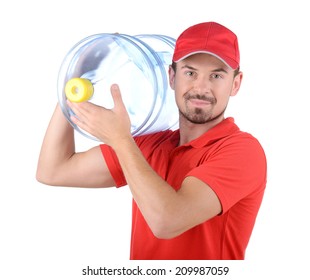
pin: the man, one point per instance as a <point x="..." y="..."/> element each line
<point x="196" y="190"/>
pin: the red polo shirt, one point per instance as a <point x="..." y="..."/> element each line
<point x="231" y="162"/>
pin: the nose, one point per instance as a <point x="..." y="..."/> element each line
<point x="202" y="85"/>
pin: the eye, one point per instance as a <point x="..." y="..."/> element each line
<point x="189" y="73"/>
<point x="216" y="76"/>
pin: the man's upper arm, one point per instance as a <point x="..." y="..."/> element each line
<point x="85" y="169"/>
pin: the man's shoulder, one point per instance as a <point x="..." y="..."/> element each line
<point x="156" y="137"/>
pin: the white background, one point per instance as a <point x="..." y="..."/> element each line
<point x="53" y="233"/>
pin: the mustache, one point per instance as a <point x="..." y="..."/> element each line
<point x="210" y="99"/>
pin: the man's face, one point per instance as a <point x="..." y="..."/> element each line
<point x="203" y="85"/>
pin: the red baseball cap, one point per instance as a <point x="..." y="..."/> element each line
<point x="211" y="38"/>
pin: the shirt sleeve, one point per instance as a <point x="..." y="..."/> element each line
<point x="146" y="143"/>
<point x="235" y="171"/>
<point x="113" y="165"/>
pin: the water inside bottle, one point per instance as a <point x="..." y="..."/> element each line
<point x="138" y="64"/>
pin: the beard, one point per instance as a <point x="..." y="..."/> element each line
<point x="198" y="115"/>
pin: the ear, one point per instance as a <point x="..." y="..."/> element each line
<point x="236" y="84"/>
<point x="171" y="77"/>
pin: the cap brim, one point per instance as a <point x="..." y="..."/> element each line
<point x="211" y="53"/>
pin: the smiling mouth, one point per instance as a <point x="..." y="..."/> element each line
<point x="198" y="102"/>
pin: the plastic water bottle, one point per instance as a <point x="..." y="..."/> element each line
<point x="138" y="64"/>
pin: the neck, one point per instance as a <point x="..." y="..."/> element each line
<point x="190" y="131"/>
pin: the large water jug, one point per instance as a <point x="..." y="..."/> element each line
<point x="139" y="64"/>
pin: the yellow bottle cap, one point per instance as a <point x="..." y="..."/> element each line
<point x="79" y="89"/>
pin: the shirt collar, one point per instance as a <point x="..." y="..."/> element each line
<point x="221" y="130"/>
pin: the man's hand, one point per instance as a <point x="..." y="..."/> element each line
<point x="108" y="125"/>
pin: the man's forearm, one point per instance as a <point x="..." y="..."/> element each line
<point x="58" y="145"/>
<point x="154" y="197"/>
